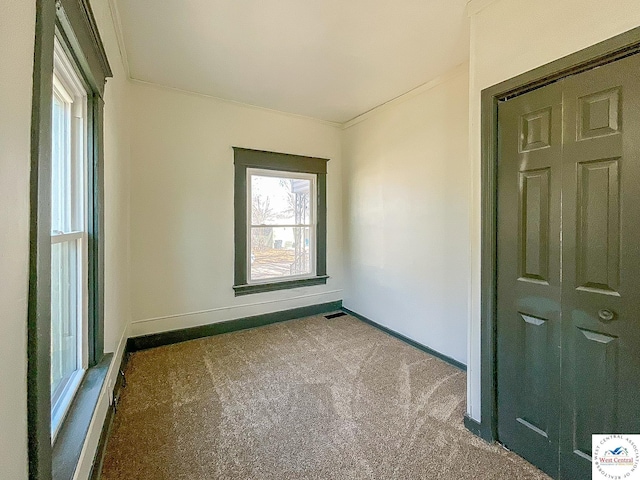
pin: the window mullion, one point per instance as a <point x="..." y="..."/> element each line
<point x="66" y="237"/>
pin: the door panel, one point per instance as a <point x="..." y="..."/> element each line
<point x="596" y="370"/>
<point x="601" y="259"/>
<point x="528" y="323"/>
<point x="598" y="226"/>
<point x="568" y="266"/>
<point x="534" y="225"/>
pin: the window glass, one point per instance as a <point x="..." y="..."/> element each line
<point x="282" y="229"/>
<point x="68" y="236"/>
<point x="64" y="315"/>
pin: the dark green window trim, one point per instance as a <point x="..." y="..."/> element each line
<point x="73" y="22"/>
<point x="246" y="158"/>
<point x="68" y="445"/>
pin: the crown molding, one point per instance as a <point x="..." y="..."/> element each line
<point x="234" y="102"/>
<point x="117" y="26"/>
<point x="454" y="72"/>
<point x="476" y="6"/>
<point x="473" y="6"/>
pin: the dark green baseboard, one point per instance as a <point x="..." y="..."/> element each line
<point x="478" y="428"/>
<point x="176" y="336"/>
<point x="144" y="342"/>
<point x="413" y="343"/>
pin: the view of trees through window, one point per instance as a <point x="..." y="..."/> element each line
<point x="282" y="230"/>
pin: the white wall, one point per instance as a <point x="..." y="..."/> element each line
<point x="17" y="24"/>
<point x="406" y="215"/>
<point x="510" y="37"/>
<point x="116" y="185"/>
<point x="182" y="248"/>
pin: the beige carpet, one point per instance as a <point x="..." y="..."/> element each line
<point x="310" y="398"/>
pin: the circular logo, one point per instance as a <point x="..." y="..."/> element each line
<point x="617" y="456"/>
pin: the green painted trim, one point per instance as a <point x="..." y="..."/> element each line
<point x="144" y="342"/>
<point x="70" y="440"/>
<point x="601" y="53"/>
<point x="476" y="428"/>
<point x="413" y="343"/>
<point x="615" y="48"/>
<point x="278" y="161"/>
<point x="101" y="450"/>
<point x="245" y="158"/>
<point x="488" y="283"/>
<point x="321" y="227"/>
<point x="240" y="224"/>
<point x="272" y="287"/>
<point x="98" y="460"/>
<point x="39" y="300"/>
<point x="74" y="23"/>
<point x="76" y="20"/>
<point x="96" y="229"/>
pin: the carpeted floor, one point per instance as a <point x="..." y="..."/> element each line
<point x="304" y="399"/>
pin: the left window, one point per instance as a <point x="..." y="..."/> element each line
<point x="66" y="363"/>
<point x="69" y="235"/>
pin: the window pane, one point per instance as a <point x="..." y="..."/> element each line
<point x="280" y="201"/>
<point x="60" y="167"/>
<point x="280" y="252"/>
<point x="64" y="311"/>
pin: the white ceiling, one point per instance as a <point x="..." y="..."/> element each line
<point x="328" y="59"/>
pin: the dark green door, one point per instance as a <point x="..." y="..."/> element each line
<point x="529" y="283"/>
<point x="601" y="252"/>
<point x="568" y="320"/>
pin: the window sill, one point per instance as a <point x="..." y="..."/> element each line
<point x="75" y="426"/>
<point x="270" y="287"/>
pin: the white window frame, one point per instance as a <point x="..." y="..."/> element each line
<point x="313" y="225"/>
<point x="68" y="86"/>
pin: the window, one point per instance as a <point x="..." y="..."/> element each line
<point x="282" y="232"/>
<point x="280" y="221"/>
<point x="66" y="364"/>
<point x="69" y="236"/>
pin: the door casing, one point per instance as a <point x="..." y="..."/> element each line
<point x="602" y="53"/>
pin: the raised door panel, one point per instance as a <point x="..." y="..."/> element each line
<point x="534" y="225"/>
<point x="598" y="226"/>
<point x="596" y="371"/>
<point x="535" y="401"/>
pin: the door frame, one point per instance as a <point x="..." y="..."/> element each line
<point x="616" y="48"/>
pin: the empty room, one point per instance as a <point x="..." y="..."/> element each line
<point x="320" y="240"/>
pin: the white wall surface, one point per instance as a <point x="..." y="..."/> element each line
<point x="182" y="248"/>
<point x="406" y="216"/>
<point x="510" y="37"/>
<point x="17" y="24"/>
<point x="116" y="185"/>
